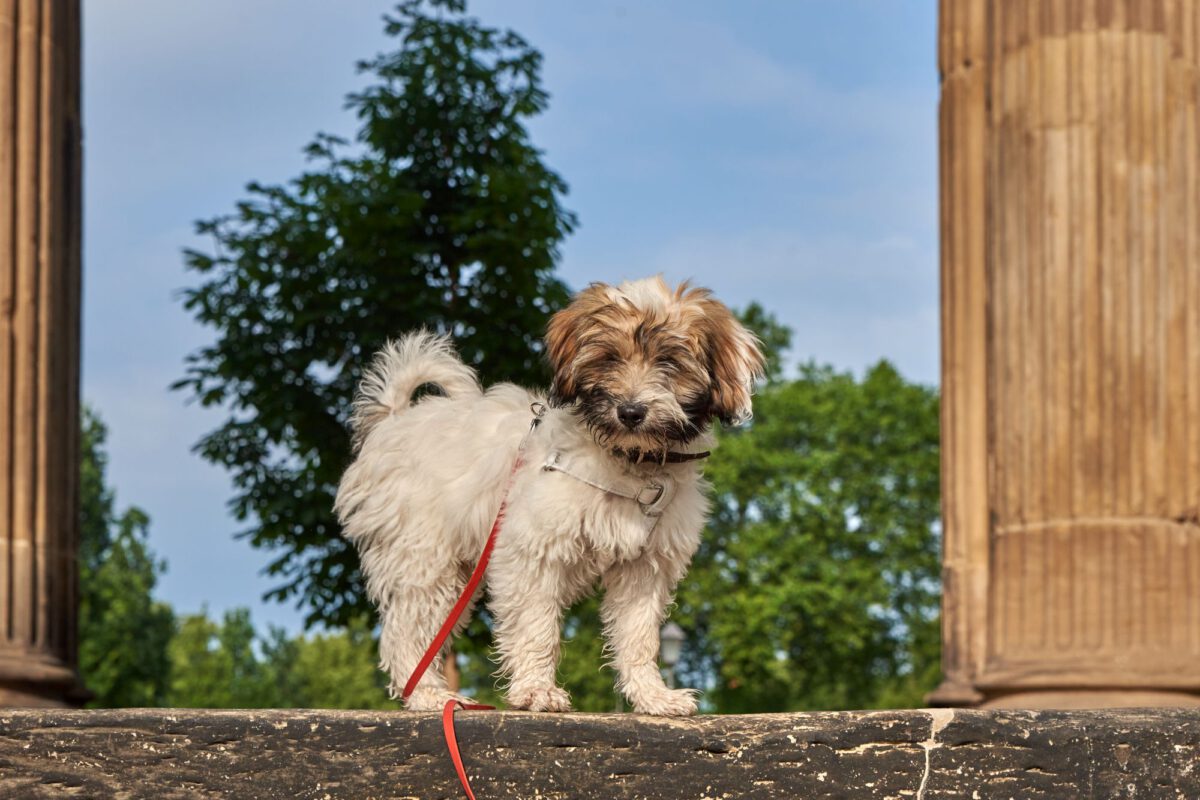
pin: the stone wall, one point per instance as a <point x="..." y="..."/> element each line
<point x="923" y="755"/>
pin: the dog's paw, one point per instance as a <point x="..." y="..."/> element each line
<point x="551" y="698"/>
<point x="667" y="703"/>
<point x="432" y="699"/>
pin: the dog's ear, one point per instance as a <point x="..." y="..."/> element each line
<point x="564" y="336"/>
<point x="735" y="357"/>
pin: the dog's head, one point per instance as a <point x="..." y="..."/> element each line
<point x="648" y="366"/>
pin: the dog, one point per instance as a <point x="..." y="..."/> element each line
<point x="609" y="487"/>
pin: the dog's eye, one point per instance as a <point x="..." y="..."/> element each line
<point x="668" y="362"/>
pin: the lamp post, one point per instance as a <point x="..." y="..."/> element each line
<point x="670" y="645"/>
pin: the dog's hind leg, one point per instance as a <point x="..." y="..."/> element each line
<point x="411" y="616"/>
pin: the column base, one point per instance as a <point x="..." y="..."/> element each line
<point x="954" y="693"/>
<point x="33" y="695"/>
<point x="38" y="681"/>
<point x="1092" y="698"/>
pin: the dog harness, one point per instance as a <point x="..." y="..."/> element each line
<point x="652" y="492"/>
<point x="652" y="495"/>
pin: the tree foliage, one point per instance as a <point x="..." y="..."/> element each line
<point x="441" y="215"/>
<point x="213" y="665"/>
<point x="816" y="585"/>
<point x="335" y="669"/>
<point x="123" y="631"/>
<point x="226" y="664"/>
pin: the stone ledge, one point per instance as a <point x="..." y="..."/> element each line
<point x="942" y="753"/>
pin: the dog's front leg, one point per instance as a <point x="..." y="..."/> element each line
<point x="527" y="606"/>
<point x="635" y="602"/>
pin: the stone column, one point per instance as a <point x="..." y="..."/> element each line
<point x="40" y="149"/>
<point x="1070" y="194"/>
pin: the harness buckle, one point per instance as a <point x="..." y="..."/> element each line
<point x="538" y="410"/>
<point x="649" y="495"/>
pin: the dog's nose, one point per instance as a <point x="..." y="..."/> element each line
<point x="631" y="414"/>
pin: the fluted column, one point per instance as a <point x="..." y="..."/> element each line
<point x="963" y="161"/>
<point x="1070" y="194"/>
<point x="39" y="349"/>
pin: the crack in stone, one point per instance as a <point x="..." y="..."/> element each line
<point x="939" y="718"/>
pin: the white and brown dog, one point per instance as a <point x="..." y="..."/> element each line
<point x="610" y="486"/>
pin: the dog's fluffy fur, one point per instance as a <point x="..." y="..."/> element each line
<point x="428" y="479"/>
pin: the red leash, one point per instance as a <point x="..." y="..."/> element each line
<point x="464" y="600"/>
<point x="452" y="740"/>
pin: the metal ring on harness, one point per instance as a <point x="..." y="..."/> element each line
<point x="643" y="498"/>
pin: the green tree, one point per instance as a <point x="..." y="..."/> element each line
<point x="775" y="337"/>
<point x="816" y="585"/>
<point x="442" y="215"/>
<point x="214" y="665"/>
<point x="123" y="631"/>
<point x="226" y="664"/>
<point x="337" y="669"/>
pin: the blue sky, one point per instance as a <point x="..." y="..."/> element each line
<point x="780" y="151"/>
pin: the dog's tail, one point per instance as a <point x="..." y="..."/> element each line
<point x="400" y="368"/>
